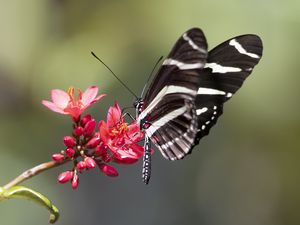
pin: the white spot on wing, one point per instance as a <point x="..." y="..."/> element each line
<point x="192" y="43"/>
<point x="200" y="111"/>
<point x="165" y="91"/>
<point x="229" y="95"/>
<point x="216" y="68"/>
<point x="210" y="91"/>
<point x="163" y="120"/>
<point x="183" y="66"/>
<point x="241" y="50"/>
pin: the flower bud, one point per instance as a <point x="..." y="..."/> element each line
<point x="85" y="119"/>
<point x="101" y="149"/>
<point x="75" y="181"/>
<point x="70" y="152"/>
<point x="90" y="162"/>
<point x="109" y="170"/>
<point x="81" y="166"/>
<point x="69" y="141"/>
<point x="65" y="176"/>
<point x="78" y="131"/>
<point x="89" y="128"/>
<point x="93" y="142"/>
<point x="58" y="157"/>
<point x="106" y="157"/>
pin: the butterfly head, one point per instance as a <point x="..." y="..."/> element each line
<point x="139" y="105"/>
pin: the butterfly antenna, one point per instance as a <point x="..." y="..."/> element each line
<point x="114" y="75"/>
<point x="150" y="75"/>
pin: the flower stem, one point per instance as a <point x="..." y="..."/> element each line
<point x="33" y="172"/>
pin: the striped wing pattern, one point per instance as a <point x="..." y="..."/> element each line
<point x="169" y="104"/>
<point x="183" y="64"/>
<point x="187" y="94"/>
<point x="174" y="132"/>
<point x="228" y="65"/>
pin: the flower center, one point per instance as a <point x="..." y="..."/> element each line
<point x="74" y="103"/>
<point x="120" y="128"/>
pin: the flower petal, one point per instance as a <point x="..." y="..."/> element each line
<point x="53" y="107"/>
<point x="137" y="149"/>
<point x="128" y="154"/>
<point x="134" y="133"/>
<point x="97" y="98"/>
<point x="125" y="160"/>
<point x="104" y="132"/>
<point x="114" y="115"/>
<point x="74" y="112"/>
<point x="60" y="98"/>
<point x="89" y="95"/>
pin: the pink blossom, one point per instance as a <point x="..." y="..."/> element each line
<point x="66" y="103"/>
<point x="120" y="137"/>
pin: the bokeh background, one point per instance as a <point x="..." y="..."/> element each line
<point x="245" y="172"/>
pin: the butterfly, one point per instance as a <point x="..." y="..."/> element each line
<point x="186" y="97"/>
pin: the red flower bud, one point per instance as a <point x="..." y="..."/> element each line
<point x="81" y="166"/>
<point x="93" y="142"/>
<point x="89" y="128"/>
<point x="58" y="157"/>
<point x="90" y="162"/>
<point x="106" y="157"/>
<point x="75" y="118"/>
<point x="85" y="119"/>
<point x="109" y="170"/>
<point x="101" y="149"/>
<point x="69" y="141"/>
<point x="65" y="176"/>
<point x="78" y="131"/>
<point x="70" y="152"/>
<point x="75" y="181"/>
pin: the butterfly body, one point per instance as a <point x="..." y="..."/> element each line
<point x="186" y="96"/>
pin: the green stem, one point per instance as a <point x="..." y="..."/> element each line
<point x="29" y="194"/>
<point x="33" y="172"/>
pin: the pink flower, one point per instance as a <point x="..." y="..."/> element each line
<point x="120" y="137"/>
<point x="66" y="103"/>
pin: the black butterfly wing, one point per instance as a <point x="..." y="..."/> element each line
<point x="227" y="67"/>
<point x="183" y="64"/>
<point x="169" y="104"/>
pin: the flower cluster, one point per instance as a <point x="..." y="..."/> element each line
<point x="92" y="146"/>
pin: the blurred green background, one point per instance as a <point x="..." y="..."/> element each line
<point x="245" y="172"/>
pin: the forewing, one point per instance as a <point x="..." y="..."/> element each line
<point x="170" y="100"/>
<point x="183" y="64"/>
<point x="228" y="65"/>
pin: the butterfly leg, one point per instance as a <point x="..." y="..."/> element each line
<point x="146" y="160"/>
<point x="129" y="115"/>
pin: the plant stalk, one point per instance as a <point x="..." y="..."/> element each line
<point x="33" y="172"/>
